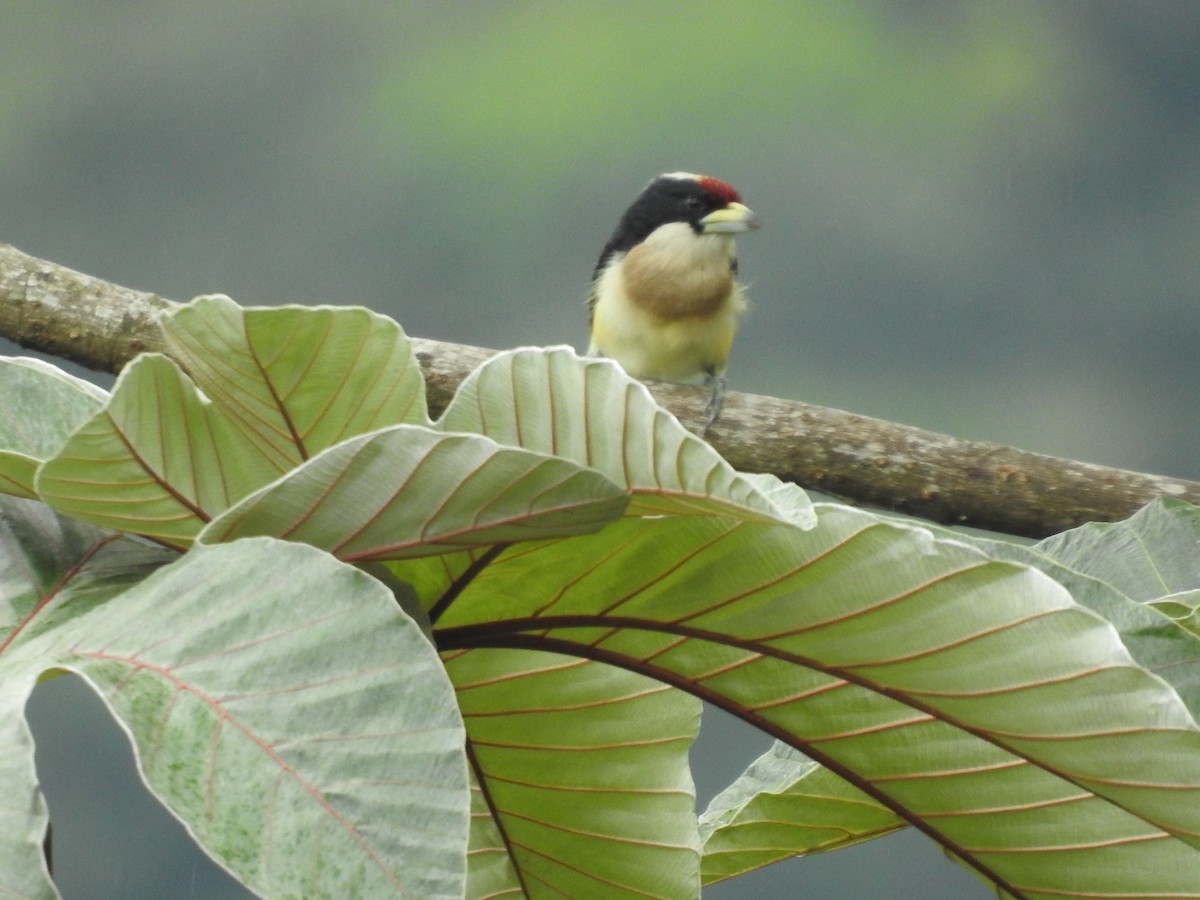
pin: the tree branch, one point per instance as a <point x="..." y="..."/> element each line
<point x="102" y="326"/>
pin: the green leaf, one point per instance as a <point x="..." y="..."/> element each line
<point x="785" y="805"/>
<point x="295" y="380"/>
<point x="790" y="502"/>
<point x="1183" y="609"/>
<point x="409" y="491"/>
<point x="971" y="697"/>
<point x="42" y="406"/>
<point x="591" y="412"/>
<point x="163" y="458"/>
<point x="270" y="693"/>
<point x="1123" y="570"/>
<point x="49" y="566"/>
<point x="23" y="871"/>
<point x="582" y="782"/>
<point x="158" y="459"/>
<point x="1146" y="557"/>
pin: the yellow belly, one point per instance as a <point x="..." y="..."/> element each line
<point x="678" y="349"/>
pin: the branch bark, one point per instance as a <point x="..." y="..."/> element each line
<point x="944" y="479"/>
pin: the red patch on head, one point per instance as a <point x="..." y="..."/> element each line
<point x="719" y="189"/>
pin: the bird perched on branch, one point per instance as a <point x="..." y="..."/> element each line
<point x="665" y="300"/>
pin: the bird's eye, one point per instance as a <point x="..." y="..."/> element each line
<point x="693" y="202"/>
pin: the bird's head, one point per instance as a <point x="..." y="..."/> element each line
<point x="707" y="205"/>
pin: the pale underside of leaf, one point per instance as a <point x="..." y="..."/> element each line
<point x="51" y="569"/>
<point x="268" y="692"/>
<point x="159" y="459"/>
<point x="1146" y="557"/>
<point x="409" y="491"/>
<point x="23" y="815"/>
<point x="42" y="405"/>
<point x="1183" y="608"/>
<point x="295" y="380"/>
<point x="591" y="412"/>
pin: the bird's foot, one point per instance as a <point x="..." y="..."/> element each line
<point x="715" y="401"/>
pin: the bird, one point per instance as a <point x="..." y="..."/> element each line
<point x="664" y="300"/>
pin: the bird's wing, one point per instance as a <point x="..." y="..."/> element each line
<point x="606" y="257"/>
<point x="591" y="304"/>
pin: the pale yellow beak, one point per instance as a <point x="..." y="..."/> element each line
<point x="732" y="218"/>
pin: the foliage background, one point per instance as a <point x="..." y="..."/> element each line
<point x="982" y="219"/>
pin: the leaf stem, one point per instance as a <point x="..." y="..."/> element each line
<point x="461" y="583"/>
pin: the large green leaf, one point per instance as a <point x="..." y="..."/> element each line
<point x="1107" y="567"/>
<point x="295" y="380"/>
<point x="42" y="406"/>
<point x="1126" y="571"/>
<point x="280" y="702"/>
<point x="581" y="775"/>
<point x="590" y="411"/>
<point x="784" y="805"/>
<point x="50" y="567"/>
<point x="917" y="669"/>
<point x="409" y="491"/>
<point x="158" y="459"/>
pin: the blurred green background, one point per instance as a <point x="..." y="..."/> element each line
<point x="982" y="218"/>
